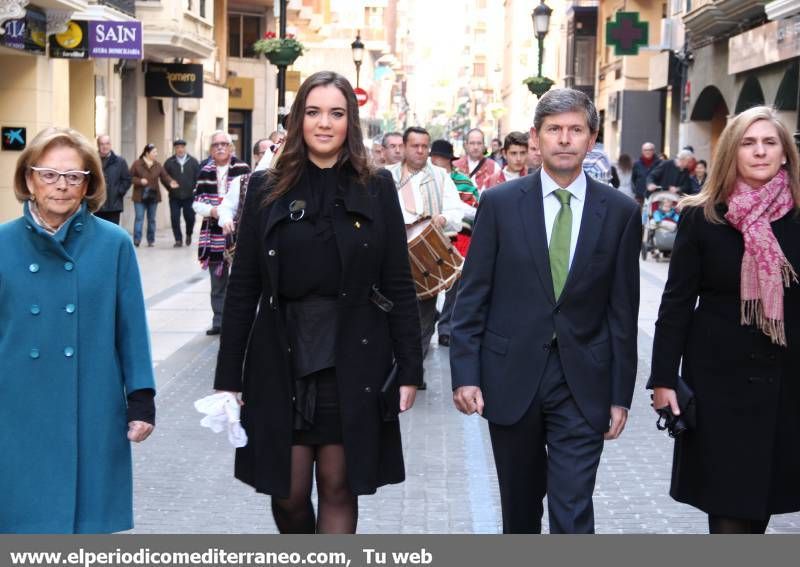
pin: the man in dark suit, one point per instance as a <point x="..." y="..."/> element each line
<point x="544" y="332"/>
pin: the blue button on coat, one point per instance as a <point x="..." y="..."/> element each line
<point x="65" y="460"/>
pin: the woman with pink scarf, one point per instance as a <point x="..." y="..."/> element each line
<point x="737" y="250"/>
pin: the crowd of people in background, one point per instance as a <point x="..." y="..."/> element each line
<point x="320" y="345"/>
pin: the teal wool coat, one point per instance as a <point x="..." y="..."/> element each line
<point x="73" y="344"/>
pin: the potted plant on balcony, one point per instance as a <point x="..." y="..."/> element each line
<point x="279" y="51"/>
<point x="538" y="85"/>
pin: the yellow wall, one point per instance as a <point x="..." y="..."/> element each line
<point x="81" y="96"/>
<point x="37" y="92"/>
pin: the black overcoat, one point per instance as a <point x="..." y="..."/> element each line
<point x="254" y="356"/>
<point x="743" y="460"/>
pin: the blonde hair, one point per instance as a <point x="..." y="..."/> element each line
<point x="722" y="176"/>
<point x="50" y="138"/>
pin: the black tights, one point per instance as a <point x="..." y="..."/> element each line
<point x="337" y="507"/>
<point x="725" y="525"/>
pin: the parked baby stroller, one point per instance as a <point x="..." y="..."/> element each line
<point x="658" y="238"/>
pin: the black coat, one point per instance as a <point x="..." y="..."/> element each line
<point x="666" y="174"/>
<point x="254" y="354"/>
<point x="118" y="181"/>
<point x="743" y="460"/>
<point x="185" y="175"/>
<point x="639" y="176"/>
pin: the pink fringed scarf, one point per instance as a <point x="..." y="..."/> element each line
<point x="765" y="269"/>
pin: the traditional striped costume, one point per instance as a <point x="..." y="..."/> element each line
<point x="212" y="243"/>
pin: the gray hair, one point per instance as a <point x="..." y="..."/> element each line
<point x="559" y="101"/>
<point x="216" y="133"/>
<point x="684" y="154"/>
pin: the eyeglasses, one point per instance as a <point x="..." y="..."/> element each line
<point x="51" y="176"/>
<point x="220" y="145"/>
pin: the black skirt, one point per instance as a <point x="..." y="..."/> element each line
<point x="327" y="426"/>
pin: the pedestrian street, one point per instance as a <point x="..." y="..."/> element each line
<point x="183" y="474"/>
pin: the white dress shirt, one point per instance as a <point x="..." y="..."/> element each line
<point x="452" y="205"/>
<point x="552" y="205"/>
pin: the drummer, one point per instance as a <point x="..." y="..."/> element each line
<point x="426" y="192"/>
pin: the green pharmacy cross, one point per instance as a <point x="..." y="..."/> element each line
<point x="627" y="34"/>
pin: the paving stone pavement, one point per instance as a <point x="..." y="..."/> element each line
<point x="183" y="480"/>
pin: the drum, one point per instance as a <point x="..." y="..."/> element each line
<point x="435" y="262"/>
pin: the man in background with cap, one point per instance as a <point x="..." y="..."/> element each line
<point x="184" y="169"/>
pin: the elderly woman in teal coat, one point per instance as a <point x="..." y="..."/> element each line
<point x="76" y="377"/>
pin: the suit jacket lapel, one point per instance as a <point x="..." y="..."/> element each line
<point x="594" y="211"/>
<point x="531" y="208"/>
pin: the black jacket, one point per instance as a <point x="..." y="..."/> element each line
<point x="639" y="176"/>
<point x="118" y="181"/>
<point x="743" y="459"/>
<point x="666" y="174"/>
<point x="254" y="356"/>
<point x="185" y="175"/>
<point x="506" y="314"/>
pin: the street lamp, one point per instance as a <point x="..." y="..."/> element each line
<point x="541" y="23"/>
<point x="358" y="55"/>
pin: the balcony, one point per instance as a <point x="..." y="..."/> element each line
<point x="780" y="9"/>
<point x="172" y="30"/>
<point x="715" y="18"/>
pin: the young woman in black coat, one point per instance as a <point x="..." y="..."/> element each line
<point x="738" y="251"/>
<point x="319" y="303"/>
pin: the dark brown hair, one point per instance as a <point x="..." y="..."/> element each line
<point x="515" y="139"/>
<point x="291" y="163"/>
<point x="625" y="163"/>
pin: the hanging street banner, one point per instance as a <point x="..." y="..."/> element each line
<point x="115" y="40"/>
<point x="26" y="34"/>
<point x="73" y="43"/>
<point x="627" y="34"/>
<point x="173" y="80"/>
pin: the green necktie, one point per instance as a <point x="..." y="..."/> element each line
<point x="559" y="243"/>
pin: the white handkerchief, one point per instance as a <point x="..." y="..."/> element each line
<point x="222" y="412"/>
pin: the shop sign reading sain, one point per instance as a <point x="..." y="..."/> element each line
<point x="173" y="80"/>
<point x="98" y="40"/>
<point x="117" y="40"/>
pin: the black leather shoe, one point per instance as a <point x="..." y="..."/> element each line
<point x="188" y="240"/>
<point x="213" y="331"/>
<point x="177" y="244"/>
<point x="136" y="243"/>
<point x="424" y="386"/>
<point x="444" y="340"/>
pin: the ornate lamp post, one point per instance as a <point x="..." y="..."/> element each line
<point x="539" y="85"/>
<point x="358" y="55"/>
<point x="541" y="25"/>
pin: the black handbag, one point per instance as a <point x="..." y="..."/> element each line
<point x="676" y="425"/>
<point x="389" y="396"/>
<point x="148" y="195"/>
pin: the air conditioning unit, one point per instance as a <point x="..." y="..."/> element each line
<point x="668" y="33"/>
<point x="614" y="101"/>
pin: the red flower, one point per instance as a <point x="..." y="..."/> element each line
<point x="289" y="36"/>
<point x="269" y="35"/>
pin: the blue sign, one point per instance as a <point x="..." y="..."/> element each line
<point x="26" y="34"/>
<point x="13" y="138"/>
